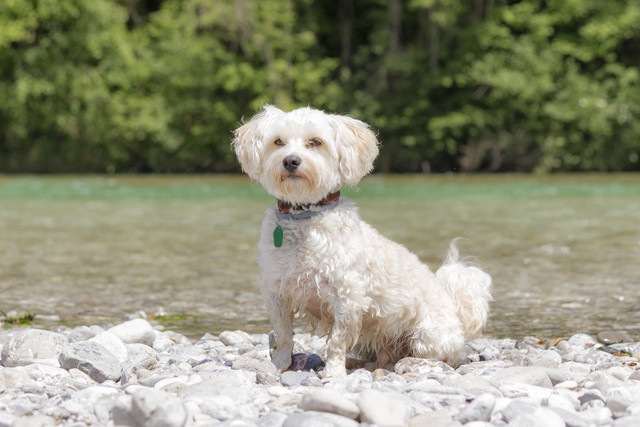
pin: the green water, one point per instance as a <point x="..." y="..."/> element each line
<point x="563" y="250"/>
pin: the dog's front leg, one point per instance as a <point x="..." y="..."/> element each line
<point x="344" y="335"/>
<point x="282" y="323"/>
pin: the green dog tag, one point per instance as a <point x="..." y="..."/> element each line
<point x="277" y="236"/>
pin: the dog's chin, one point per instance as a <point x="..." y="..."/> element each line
<point x="295" y="188"/>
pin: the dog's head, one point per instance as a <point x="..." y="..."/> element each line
<point x="303" y="155"/>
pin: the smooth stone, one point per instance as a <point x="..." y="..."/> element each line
<point x="92" y="359"/>
<point x="532" y="375"/>
<point x="439" y="418"/>
<point x="480" y="409"/>
<point x="33" y="346"/>
<point x="629" y="421"/>
<point x="112" y="343"/>
<point x="255" y="365"/>
<point x="135" y="331"/>
<point x="318" y="419"/>
<point x="546" y="359"/>
<point x="378" y="408"/>
<point x="36" y="420"/>
<point x="614" y="337"/>
<point x="294" y="378"/>
<point x="516" y="408"/>
<point x="582" y="340"/>
<point x="541" y="417"/>
<point x="415" y="365"/>
<point x="323" y="400"/>
<point x="154" y="408"/>
<point x="232" y="338"/>
<point x="570" y="418"/>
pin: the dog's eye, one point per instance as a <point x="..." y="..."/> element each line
<point x="314" y="142"/>
<point x="278" y="141"/>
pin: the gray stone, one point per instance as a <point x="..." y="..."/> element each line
<point x="33" y="346"/>
<point x="480" y="409"/>
<point x="92" y="359"/>
<point x="318" y="419"/>
<point x="325" y="400"/>
<point x="377" y="408"/>
<point x="135" y="331"/>
<point x="154" y="408"/>
<point x="614" y="337"/>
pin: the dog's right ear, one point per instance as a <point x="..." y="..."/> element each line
<point x="248" y="140"/>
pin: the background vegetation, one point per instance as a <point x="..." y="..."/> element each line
<point x="462" y="85"/>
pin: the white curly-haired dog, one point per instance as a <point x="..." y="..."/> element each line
<point x="319" y="259"/>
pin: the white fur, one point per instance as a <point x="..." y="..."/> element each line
<point x="372" y="294"/>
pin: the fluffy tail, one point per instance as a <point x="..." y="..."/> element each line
<point x="469" y="288"/>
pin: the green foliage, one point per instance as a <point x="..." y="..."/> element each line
<point x="158" y="85"/>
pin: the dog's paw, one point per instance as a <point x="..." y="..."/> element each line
<point x="282" y="359"/>
<point x="333" y="370"/>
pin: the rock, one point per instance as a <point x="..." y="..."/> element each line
<point x="438" y="418"/>
<point x="153" y="408"/>
<point x="254" y="365"/>
<point x="377" y="408"/>
<point x="323" y="400"/>
<point x="33" y="346"/>
<point x="294" y="378"/>
<point x="306" y="362"/>
<point x="135" y="331"/>
<point x="582" y="340"/>
<point x="93" y="359"/>
<point x="480" y="409"/>
<point x="614" y="337"/>
<point x="113" y="344"/>
<point x="318" y="419"/>
<point x="234" y="337"/>
<point x="419" y="366"/>
<point x="525" y="375"/>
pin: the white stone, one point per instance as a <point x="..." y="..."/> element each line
<point x="154" y="408"/>
<point x="135" y="331"/>
<point x="33" y="346"/>
<point x="324" y="400"/>
<point x="480" y="409"/>
<point x="112" y="343"/>
<point x="532" y="375"/>
<point x="377" y="408"/>
<point x="234" y="337"/>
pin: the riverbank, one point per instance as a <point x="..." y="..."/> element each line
<point x="135" y="375"/>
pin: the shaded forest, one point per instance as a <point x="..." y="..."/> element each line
<point x="449" y="85"/>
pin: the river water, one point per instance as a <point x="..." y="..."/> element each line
<point x="564" y="251"/>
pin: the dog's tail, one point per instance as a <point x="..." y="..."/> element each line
<point x="469" y="288"/>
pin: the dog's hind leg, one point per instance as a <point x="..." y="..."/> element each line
<point x="429" y="342"/>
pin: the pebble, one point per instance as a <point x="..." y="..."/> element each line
<point x="132" y="374"/>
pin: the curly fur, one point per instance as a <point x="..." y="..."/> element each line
<point x="372" y="294"/>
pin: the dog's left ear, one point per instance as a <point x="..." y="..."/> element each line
<point x="357" y="148"/>
<point x="248" y="140"/>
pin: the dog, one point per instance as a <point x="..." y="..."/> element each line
<point x="319" y="260"/>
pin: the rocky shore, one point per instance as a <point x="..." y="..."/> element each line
<point x="133" y="374"/>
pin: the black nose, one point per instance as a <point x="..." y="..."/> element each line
<point x="291" y="162"/>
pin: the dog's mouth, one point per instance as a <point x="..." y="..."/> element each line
<point x="291" y="175"/>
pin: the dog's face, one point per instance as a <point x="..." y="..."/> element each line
<point x="301" y="156"/>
